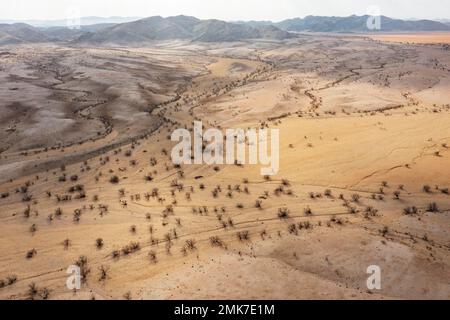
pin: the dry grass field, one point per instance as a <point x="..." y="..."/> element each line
<point x="87" y="179"/>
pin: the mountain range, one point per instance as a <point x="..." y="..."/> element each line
<point x="192" y="29"/>
<point x="358" y="24"/>
<point x="181" y="27"/>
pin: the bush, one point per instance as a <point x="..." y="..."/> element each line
<point x="31" y="253"/>
<point x="115" y="254"/>
<point x="293" y="229"/>
<point x="8" y="282"/>
<point x="243" y="235"/>
<point x="82" y="263"/>
<point x="66" y="244"/>
<point x="127" y="296"/>
<point x="114" y="180"/>
<point x="99" y="243"/>
<point x="283" y="213"/>
<point x="103" y="273"/>
<point x="433" y="207"/>
<point x="308" y="211"/>
<point x="215" y="241"/>
<point x="131" y="248"/>
<point x="190" y="244"/>
<point x="356" y="197"/>
<point x="152" y="256"/>
<point x="33" y="228"/>
<point x="410" y="211"/>
<point x="32" y="291"/>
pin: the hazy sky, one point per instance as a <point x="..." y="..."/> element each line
<point x="226" y="10"/>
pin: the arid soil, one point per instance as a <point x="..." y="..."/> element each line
<point x="418" y="38"/>
<point x="87" y="177"/>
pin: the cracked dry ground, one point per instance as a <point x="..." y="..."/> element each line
<point x="364" y="173"/>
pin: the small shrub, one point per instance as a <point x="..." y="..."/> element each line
<point x="384" y="231"/>
<point x="190" y="244"/>
<point x="308" y="211"/>
<point x="356" y="197"/>
<point x="283" y="213"/>
<point x="131" y="248"/>
<point x="152" y="256"/>
<point x="31" y="254"/>
<point x="410" y="211"/>
<point x="33" y="228"/>
<point x="215" y="241"/>
<point x="66" y="244"/>
<point x="243" y="235"/>
<point x="433" y="207"/>
<point x="99" y="243"/>
<point x="103" y="273"/>
<point x="32" y="291"/>
<point x="114" y="180"/>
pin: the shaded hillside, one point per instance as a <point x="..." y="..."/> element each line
<point x="183" y="28"/>
<point x="21" y="33"/>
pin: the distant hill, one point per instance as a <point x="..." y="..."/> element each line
<point x="18" y="33"/>
<point x="193" y="29"/>
<point x="358" y="24"/>
<point x="84" y="21"/>
<point x="181" y="27"/>
<point x="66" y="34"/>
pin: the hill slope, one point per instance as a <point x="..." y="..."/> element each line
<point x="21" y="33"/>
<point x="181" y="27"/>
